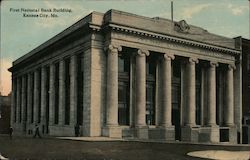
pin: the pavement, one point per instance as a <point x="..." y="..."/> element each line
<point x="103" y="148"/>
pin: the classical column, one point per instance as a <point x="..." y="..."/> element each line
<point x="43" y="95"/>
<point x="36" y="96"/>
<point x="112" y="85"/>
<point x="190" y="121"/>
<point x="23" y="119"/>
<point x="18" y="105"/>
<point x="52" y="94"/>
<point x="61" y="92"/>
<point x="13" y="101"/>
<point x="141" y="88"/>
<point x="212" y="94"/>
<point x="229" y="116"/>
<point x="167" y="91"/>
<point x="29" y="98"/>
<point x="73" y="90"/>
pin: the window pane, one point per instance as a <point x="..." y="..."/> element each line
<point x="123" y="103"/>
<point x="120" y="64"/>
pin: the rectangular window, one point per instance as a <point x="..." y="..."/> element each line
<point x="20" y="99"/>
<point x="150" y="88"/>
<point x="67" y="92"/>
<point x="32" y="97"/>
<point x="47" y="97"/>
<point x="198" y="94"/>
<point x="15" y="89"/>
<point x="123" y="103"/>
<point x="80" y="92"/>
<point x="39" y="95"/>
<point x="123" y="88"/>
<point x="248" y="62"/>
<point x="150" y="105"/>
<point x="26" y="98"/>
<point x="56" y="118"/>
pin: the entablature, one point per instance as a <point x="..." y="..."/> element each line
<point x="172" y="39"/>
<point x="156" y="45"/>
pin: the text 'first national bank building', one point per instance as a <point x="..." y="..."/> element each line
<point x="127" y="76"/>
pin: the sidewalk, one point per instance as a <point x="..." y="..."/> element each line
<point x="108" y="139"/>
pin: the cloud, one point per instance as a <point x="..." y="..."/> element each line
<point x="237" y="10"/>
<point x="190" y="11"/>
<point x="5" y="76"/>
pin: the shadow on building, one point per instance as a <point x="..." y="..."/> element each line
<point x="246" y="90"/>
<point x="5" y="105"/>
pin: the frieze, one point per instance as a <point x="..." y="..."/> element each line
<point x="170" y="45"/>
<point x="156" y="36"/>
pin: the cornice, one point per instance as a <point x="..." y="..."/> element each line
<point x="172" y="39"/>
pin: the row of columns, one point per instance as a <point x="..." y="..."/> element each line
<point x="27" y="94"/>
<point x="112" y="83"/>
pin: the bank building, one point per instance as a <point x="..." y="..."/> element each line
<point x="122" y="75"/>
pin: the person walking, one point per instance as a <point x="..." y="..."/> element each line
<point x="37" y="133"/>
<point x="10" y="132"/>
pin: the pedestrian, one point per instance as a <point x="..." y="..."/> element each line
<point x="37" y="133"/>
<point x="10" y="132"/>
<point x="77" y="130"/>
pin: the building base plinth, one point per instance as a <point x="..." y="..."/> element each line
<point x="209" y="134"/>
<point x="163" y="133"/>
<point x="190" y="134"/>
<point x="141" y="132"/>
<point x="233" y="134"/>
<point x="228" y="134"/>
<point x="112" y="131"/>
<point x="58" y="130"/>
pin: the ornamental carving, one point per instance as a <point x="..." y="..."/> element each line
<point x="142" y="52"/>
<point x="112" y="48"/>
<point x="168" y="56"/>
<point x="231" y="67"/>
<point x="181" y="26"/>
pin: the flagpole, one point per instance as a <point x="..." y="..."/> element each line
<point x="172" y="11"/>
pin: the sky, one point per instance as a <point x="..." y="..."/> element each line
<point x="20" y="34"/>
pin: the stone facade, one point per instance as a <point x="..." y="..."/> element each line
<point x="130" y="76"/>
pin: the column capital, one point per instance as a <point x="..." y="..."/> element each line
<point x="142" y="52"/>
<point x="193" y="60"/>
<point x="213" y="64"/>
<point x="231" y="67"/>
<point x="73" y="56"/>
<point x="113" y="48"/>
<point x="43" y="68"/>
<point x="168" y="56"/>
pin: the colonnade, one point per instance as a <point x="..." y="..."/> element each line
<point x="35" y="92"/>
<point x="190" y="81"/>
<point x="34" y="95"/>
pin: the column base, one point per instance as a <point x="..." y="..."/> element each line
<point x="190" y="133"/>
<point x="141" y="132"/>
<point x="163" y="133"/>
<point x="210" y="134"/>
<point x="17" y="129"/>
<point x="112" y="131"/>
